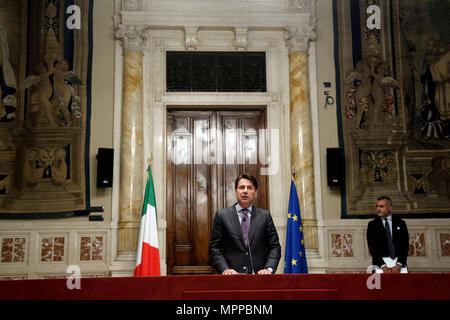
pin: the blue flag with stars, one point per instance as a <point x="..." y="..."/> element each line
<point x="295" y="256"/>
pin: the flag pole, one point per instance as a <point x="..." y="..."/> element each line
<point x="150" y="159"/>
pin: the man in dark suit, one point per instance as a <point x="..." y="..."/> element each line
<point x="387" y="236"/>
<point x="243" y="237"/>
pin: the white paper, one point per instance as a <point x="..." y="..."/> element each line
<point x="391" y="263"/>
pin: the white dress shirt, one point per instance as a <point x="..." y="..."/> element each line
<point x="389" y="221"/>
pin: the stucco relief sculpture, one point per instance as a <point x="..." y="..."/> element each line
<point x="367" y="95"/>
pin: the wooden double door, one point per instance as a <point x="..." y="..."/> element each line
<point x="206" y="151"/>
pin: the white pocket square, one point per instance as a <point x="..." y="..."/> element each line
<point x="398" y="228"/>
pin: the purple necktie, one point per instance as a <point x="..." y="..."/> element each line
<point x="245" y="225"/>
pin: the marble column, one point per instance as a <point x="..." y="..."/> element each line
<point x="131" y="143"/>
<point x="297" y="38"/>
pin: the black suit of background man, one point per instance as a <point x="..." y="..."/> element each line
<point x="228" y="251"/>
<point x="378" y="241"/>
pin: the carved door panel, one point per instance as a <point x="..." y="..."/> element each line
<point x="206" y="151"/>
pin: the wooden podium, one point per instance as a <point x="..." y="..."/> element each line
<point x="426" y="286"/>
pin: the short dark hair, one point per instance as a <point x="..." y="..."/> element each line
<point x="248" y="177"/>
<point x="389" y="200"/>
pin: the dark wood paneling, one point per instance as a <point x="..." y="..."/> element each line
<point x="206" y="151"/>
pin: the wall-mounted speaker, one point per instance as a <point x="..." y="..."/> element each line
<point x="105" y="164"/>
<point x="335" y="167"/>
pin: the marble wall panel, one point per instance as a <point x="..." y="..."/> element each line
<point x="58" y="249"/>
<point x="91" y="248"/>
<point x="417" y="246"/>
<point x="336" y="245"/>
<point x="7" y="249"/>
<point x="52" y="248"/>
<point x="85" y="246"/>
<point x="13" y="249"/>
<point x="97" y="248"/>
<point x="444" y="242"/>
<point x="341" y="245"/>
<point x="46" y="249"/>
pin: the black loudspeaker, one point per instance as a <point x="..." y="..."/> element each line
<point x="105" y="162"/>
<point x="335" y="168"/>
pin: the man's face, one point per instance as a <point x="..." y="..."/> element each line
<point x="383" y="208"/>
<point x="246" y="193"/>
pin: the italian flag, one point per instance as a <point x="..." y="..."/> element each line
<point x="147" y="260"/>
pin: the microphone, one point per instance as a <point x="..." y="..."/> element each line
<point x="251" y="259"/>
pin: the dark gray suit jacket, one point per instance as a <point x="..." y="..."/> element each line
<point x="227" y="249"/>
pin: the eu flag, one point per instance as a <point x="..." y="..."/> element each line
<point x="295" y="257"/>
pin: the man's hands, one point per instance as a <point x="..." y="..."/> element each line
<point x="229" y="272"/>
<point x="394" y="269"/>
<point x="264" y="271"/>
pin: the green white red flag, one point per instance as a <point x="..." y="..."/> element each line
<point x="147" y="260"/>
